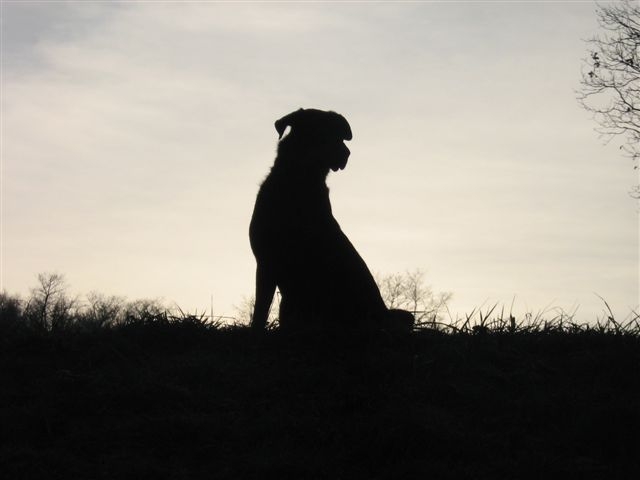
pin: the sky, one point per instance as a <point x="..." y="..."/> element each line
<point x="135" y="136"/>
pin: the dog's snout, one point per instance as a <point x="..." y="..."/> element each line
<point x="342" y="157"/>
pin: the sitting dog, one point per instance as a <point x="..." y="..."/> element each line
<point x="298" y="244"/>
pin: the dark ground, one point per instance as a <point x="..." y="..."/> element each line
<point x="184" y="401"/>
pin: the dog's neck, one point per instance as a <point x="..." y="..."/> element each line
<point x="297" y="170"/>
<point x="299" y="163"/>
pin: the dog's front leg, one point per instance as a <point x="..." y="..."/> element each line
<point x="265" y="288"/>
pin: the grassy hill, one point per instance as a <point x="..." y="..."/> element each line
<point x="179" y="399"/>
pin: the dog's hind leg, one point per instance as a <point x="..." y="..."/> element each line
<point x="400" y="320"/>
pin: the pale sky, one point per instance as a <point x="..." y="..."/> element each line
<point x="135" y="136"/>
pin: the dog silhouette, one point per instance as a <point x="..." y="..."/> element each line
<point x="298" y="244"/>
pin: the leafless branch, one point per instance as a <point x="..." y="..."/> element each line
<point x="610" y="83"/>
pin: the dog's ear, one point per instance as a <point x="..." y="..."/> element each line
<point x="340" y="126"/>
<point x="287" y="121"/>
<point x="312" y="120"/>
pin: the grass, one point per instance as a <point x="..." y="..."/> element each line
<point x="160" y="396"/>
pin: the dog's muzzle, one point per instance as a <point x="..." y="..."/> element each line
<point x="341" y="158"/>
<point x="341" y="162"/>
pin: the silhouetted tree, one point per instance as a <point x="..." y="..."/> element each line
<point x="610" y="85"/>
<point x="145" y="310"/>
<point x="103" y="310"/>
<point x="49" y="306"/>
<point x="408" y="291"/>
<point x="10" y="308"/>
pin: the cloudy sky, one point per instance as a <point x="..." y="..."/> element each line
<point x="135" y="135"/>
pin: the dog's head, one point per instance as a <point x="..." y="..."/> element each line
<point x="321" y="134"/>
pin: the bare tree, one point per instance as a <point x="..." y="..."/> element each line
<point x="10" y="308"/>
<point x="145" y="309"/>
<point x="49" y="306"/>
<point x="409" y="292"/>
<point x="610" y="84"/>
<point x="103" y="310"/>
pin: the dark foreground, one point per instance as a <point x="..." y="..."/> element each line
<point x="184" y="401"/>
